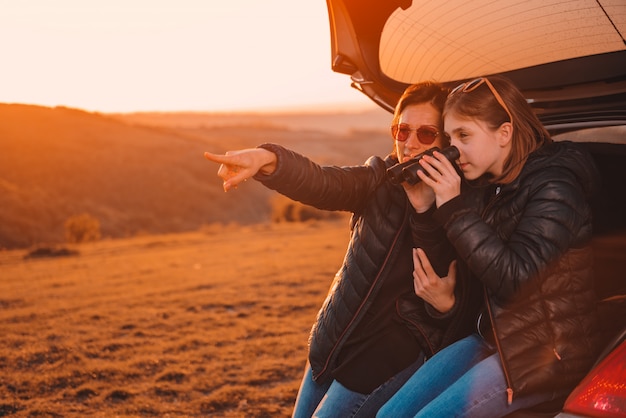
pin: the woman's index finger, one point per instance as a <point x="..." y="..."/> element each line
<point x="217" y="158"/>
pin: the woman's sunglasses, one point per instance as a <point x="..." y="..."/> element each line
<point x="425" y="134"/>
<point x="474" y="84"/>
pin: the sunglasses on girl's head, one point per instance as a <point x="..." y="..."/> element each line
<point x="470" y="86"/>
<point x="425" y="134"/>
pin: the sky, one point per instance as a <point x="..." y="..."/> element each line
<point x="170" y="55"/>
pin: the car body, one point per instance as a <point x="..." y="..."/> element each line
<point x="569" y="60"/>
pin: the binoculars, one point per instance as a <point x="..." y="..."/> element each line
<point x="407" y="170"/>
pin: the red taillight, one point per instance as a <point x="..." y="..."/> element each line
<point x="603" y="392"/>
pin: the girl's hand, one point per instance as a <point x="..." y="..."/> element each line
<point x="438" y="291"/>
<point x="442" y="177"/>
<point x="238" y="166"/>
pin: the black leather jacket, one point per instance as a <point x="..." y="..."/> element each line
<point x="381" y="215"/>
<point x="528" y="244"/>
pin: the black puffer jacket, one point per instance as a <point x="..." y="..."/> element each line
<point x="528" y="243"/>
<point x="381" y="215"/>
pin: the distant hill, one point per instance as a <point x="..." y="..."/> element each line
<point x="145" y="173"/>
<point x="335" y="122"/>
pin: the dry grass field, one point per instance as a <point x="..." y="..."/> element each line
<point x="209" y="323"/>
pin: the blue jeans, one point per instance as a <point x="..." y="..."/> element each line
<point x="464" y="379"/>
<point x="332" y="399"/>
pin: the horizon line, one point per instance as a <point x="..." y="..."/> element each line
<point x="341" y="107"/>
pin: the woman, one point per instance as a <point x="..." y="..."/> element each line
<point x="522" y="227"/>
<point x="376" y="325"/>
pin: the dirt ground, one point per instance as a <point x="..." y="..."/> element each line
<point x="211" y="323"/>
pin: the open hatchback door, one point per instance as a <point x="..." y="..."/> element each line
<point x="568" y="57"/>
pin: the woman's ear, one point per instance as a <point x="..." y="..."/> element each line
<point x="505" y="133"/>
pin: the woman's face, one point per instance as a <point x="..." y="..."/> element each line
<point x="482" y="150"/>
<point x="416" y="116"/>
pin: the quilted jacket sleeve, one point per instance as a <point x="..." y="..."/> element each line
<point x="325" y="187"/>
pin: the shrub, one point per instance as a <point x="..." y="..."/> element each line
<point x="42" y="252"/>
<point x="82" y="228"/>
<point x="287" y="210"/>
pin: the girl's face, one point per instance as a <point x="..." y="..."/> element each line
<point x="417" y="116"/>
<point x="482" y="150"/>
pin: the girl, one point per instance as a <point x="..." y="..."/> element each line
<point x="522" y="227"/>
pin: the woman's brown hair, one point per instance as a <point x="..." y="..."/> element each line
<point x="481" y="103"/>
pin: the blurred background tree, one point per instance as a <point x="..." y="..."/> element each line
<point x="82" y="228"/>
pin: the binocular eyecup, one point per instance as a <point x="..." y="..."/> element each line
<point x="407" y="170"/>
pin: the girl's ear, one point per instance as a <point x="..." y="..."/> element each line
<point x="505" y="133"/>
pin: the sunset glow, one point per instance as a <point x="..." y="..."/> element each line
<point x="166" y="55"/>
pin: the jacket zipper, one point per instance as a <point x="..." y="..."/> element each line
<point x="507" y="377"/>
